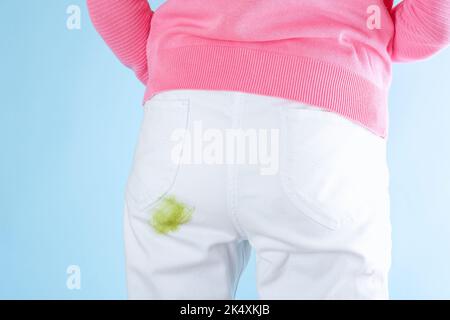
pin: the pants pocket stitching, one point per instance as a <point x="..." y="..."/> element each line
<point x="144" y="203"/>
<point x="308" y="207"/>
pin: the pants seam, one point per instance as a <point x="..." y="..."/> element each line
<point x="233" y="170"/>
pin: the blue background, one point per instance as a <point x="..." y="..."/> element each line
<point x="69" y="121"/>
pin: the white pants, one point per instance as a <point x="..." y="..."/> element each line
<point x="316" y="214"/>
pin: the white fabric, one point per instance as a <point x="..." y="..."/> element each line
<point x="319" y="224"/>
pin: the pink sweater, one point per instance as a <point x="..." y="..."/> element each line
<point x="335" y="54"/>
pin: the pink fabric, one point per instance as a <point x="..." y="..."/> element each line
<point x="319" y="52"/>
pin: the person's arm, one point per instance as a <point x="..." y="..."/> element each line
<point x="422" y="28"/>
<point x="125" y="26"/>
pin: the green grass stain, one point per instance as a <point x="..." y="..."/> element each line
<point x="169" y="214"/>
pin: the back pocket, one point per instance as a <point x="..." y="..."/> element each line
<point x="157" y="155"/>
<point x="332" y="169"/>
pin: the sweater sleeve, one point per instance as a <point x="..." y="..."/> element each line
<point x="422" y="28"/>
<point x="124" y="25"/>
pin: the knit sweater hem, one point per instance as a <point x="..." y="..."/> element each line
<point x="304" y="79"/>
